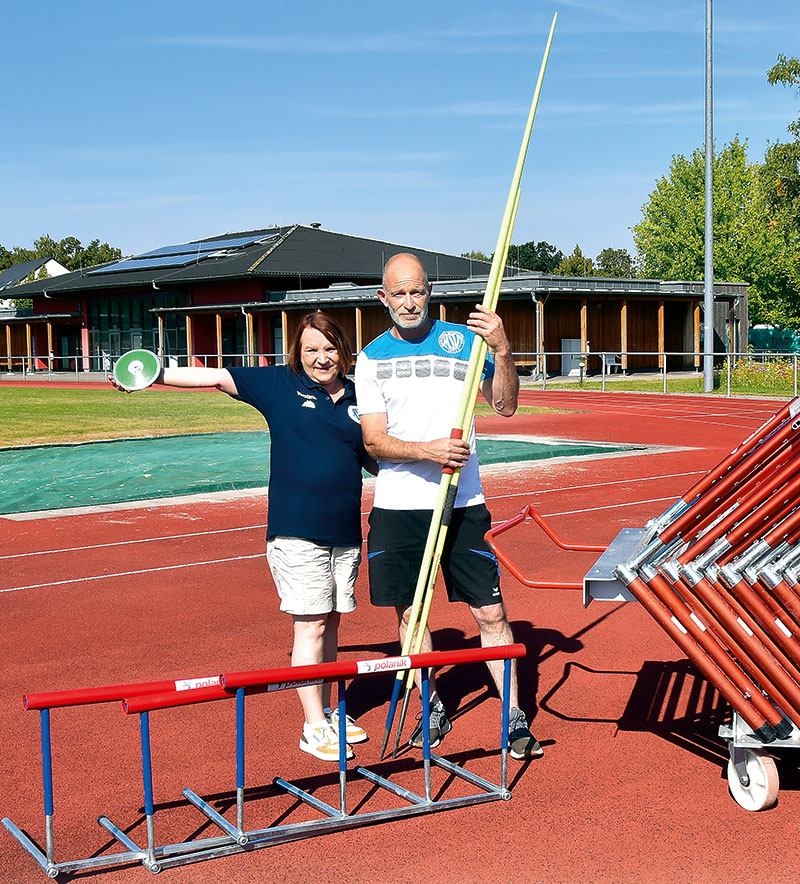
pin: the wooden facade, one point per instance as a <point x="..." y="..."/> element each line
<point x="643" y="321"/>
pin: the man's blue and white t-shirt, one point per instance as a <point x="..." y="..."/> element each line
<point x="418" y="385"/>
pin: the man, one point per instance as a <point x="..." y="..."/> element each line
<point x="409" y="383"/>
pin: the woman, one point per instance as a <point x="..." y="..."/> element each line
<point x="314" y="516"/>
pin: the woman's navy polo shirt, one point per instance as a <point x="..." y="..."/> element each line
<point x="316" y="455"/>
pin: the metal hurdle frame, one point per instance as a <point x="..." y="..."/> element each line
<point x="144" y="698"/>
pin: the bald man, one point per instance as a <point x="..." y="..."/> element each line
<point x="409" y="382"/>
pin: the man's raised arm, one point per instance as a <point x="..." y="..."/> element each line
<point x="502" y="390"/>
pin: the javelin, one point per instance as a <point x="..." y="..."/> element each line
<point x="471" y="384"/>
<point x="449" y="482"/>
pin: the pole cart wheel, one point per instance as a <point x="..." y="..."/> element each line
<point x="752" y="778"/>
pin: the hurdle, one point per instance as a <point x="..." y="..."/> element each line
<point x="709" y="566"/>
<point x="717" y="571"/>
<point x="143" y="699"/>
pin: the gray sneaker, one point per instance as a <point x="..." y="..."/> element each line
<point x="439" y="724"/>
<point x="521" y="741"/>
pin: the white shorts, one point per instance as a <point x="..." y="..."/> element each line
<point x="313" y="579"/>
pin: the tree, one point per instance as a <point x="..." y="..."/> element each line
<point x="541" y="256"/>
<point x="98" y="253"/>
<point x="476" y="255"/>
<point x="787" y="72"/>
<point x="615" y="262"/>
<point x="67" y="251"/>
<point x="670" y="236"/>
<point x="779" y="190"/>
<point x="576" y="265"/>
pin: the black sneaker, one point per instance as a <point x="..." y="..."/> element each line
<point x="521" y="741"/>
<point x="439" y="723"/>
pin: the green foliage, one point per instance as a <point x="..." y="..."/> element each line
<point x="775" y="298"/>
<point x="476" y="255"/>
<point x="786" y="71"/>
<point x="749" y="245"/>
<point x="616" y="263"/>
<point x="670" y="236"/>
<point x="67" y="251"/>
<point x="756" y="220"/>
<point x="576" y="265"/>
<point x="541" y="256"/>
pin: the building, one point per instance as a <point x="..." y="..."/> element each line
<point x="238" y="297"/>
<point x="195" y="300"/>
<point x="43" y="268"/>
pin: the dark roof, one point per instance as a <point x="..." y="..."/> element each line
<point x="288" y="253"/>
<point x="17" y="272"/>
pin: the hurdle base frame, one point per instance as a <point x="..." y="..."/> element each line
<point x="337" y="821"/>
<point x="157" y="858"/>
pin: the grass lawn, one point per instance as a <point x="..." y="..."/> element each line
<point x="42" y="415"/>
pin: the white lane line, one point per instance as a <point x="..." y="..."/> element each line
<point x="539" y="491"/>
<point x="130" y="573"/>
<point x="610" y="506"/>
<point x="66" y="549"/>
<point x="592" y="509"/>
<point x="534" y="493"/>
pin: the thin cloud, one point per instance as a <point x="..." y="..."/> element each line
<point x="499" y="42"/>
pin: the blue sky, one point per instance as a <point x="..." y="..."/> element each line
<point x="147" y="123"/>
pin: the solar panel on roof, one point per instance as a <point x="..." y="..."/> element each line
<point x="183" y="254"/>
<point x="187" y="248"/>
<point x="147" y="263"/>
<point x="209" y="245"/>
<point x="234" y="242"/>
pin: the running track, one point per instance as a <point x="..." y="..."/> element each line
<point x="630" y="788"/>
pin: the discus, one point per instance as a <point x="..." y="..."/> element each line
<point x="137" y="369"/>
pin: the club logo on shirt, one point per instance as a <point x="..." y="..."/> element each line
<point x="310" y="401"/>
<point x="352" y="413"/>
<point x="451" y="341"/>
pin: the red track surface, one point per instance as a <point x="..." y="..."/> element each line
<point x="631" y="786"/>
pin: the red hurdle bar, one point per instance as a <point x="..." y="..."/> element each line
<point x="109" y="693"/>
<point x="779" y="683"/>
<point x="766" y="445"/>
<point x="679" y="632"/>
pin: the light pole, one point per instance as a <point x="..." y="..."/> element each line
<point x="708" y="286"/>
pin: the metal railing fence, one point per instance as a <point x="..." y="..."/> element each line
<point x="764" y="371"/>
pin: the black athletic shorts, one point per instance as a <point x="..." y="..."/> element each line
<point x="395" y="546"/>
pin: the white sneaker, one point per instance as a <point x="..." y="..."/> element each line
<point x="354" y="733"/>
<point x="323" y="743"/>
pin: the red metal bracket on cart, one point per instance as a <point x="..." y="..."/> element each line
<point x="502" y="556"/>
